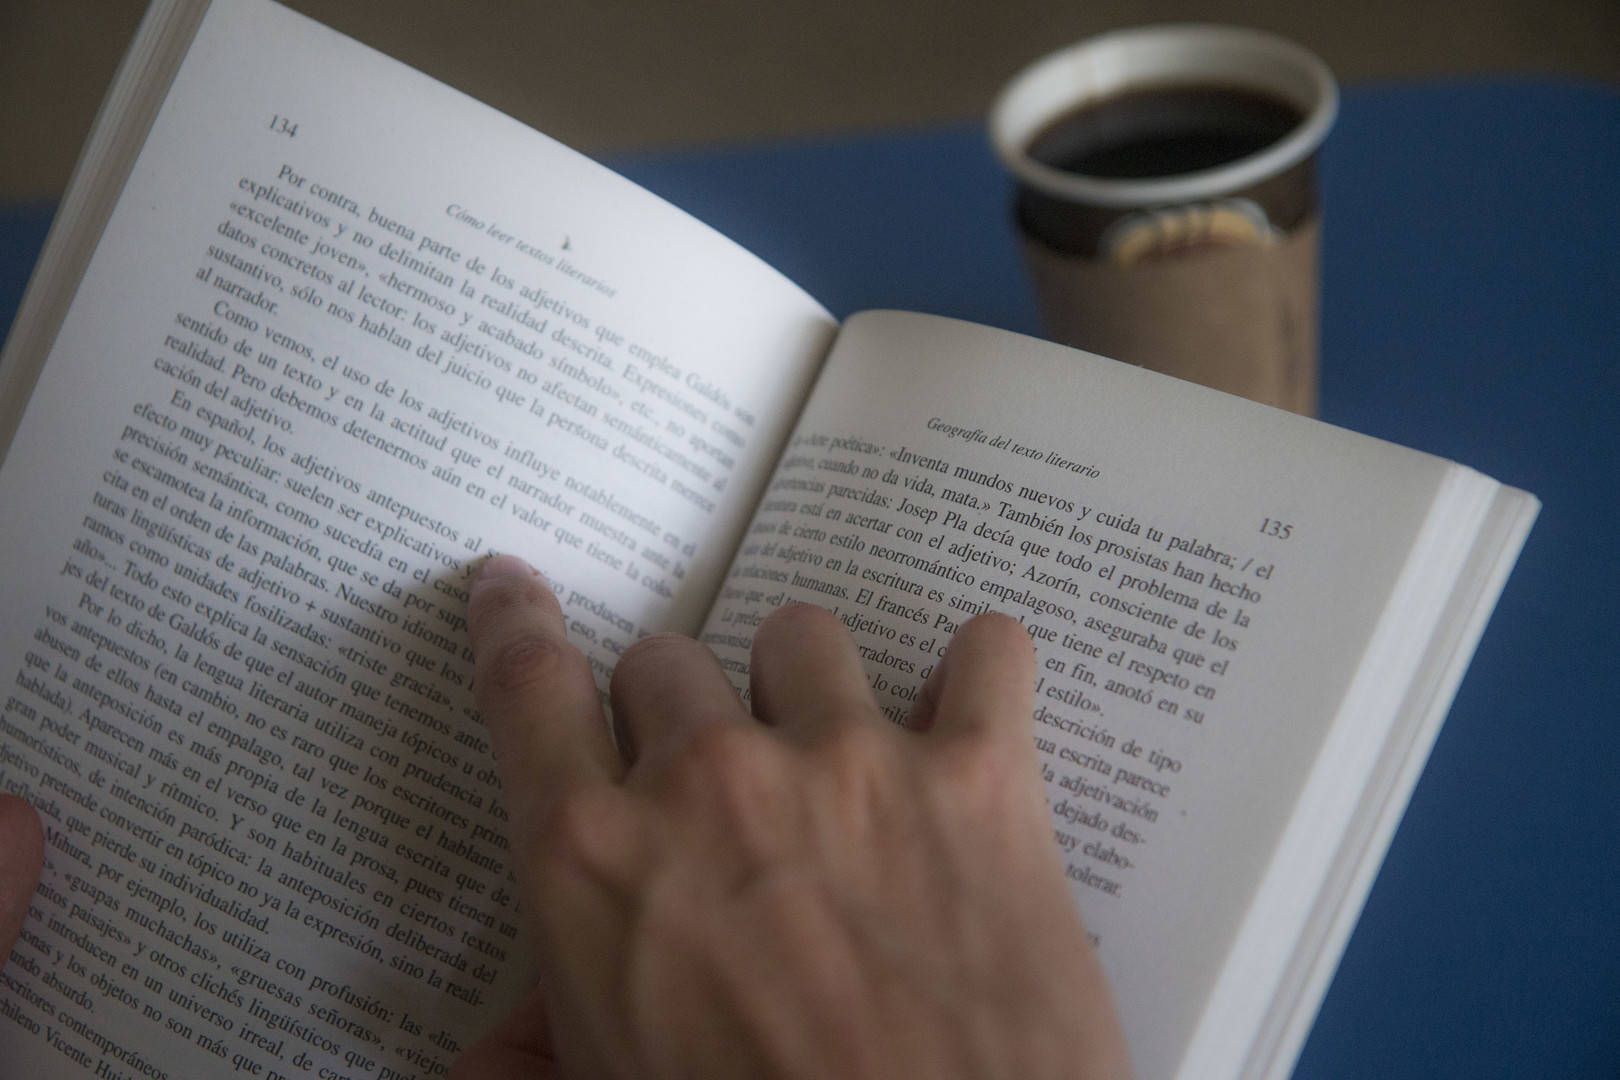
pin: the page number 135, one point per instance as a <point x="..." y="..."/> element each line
<point x="283" y="126"/>
<point x="1273" y="527"/>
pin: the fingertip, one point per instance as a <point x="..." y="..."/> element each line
<point x="536" y="692"/>
<point x="505" y="572"/>
<point x="664" y="687"/>
<point x="1003" y="633"/>
<point x="805" y="672"/>
<point x="1002" y="621"/>
<point x="784" y="631"/>
<point x="1000" y="633"/>
<point x="501" y="584"/>
<point x="795" y="619"/>
<point x="988" y="671"/>
<point x="498" y="567"/>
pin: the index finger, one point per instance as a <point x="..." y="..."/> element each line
<point x="534" y="690"/>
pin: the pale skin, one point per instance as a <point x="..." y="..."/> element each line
<point x="803" y="890"/>
<point x="22" y="856"/>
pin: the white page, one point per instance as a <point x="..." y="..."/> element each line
<point x="1096" y="502"/>
<point x="237" y="516"/>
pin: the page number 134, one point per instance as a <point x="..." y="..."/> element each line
<point x="1273" y="527"/>
<point x="283" y="126"/>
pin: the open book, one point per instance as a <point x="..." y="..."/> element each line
<point x="313" y="332"/>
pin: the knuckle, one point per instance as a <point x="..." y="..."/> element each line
<point x="584" y="828"/>
<point x="976" y="771"/>
<point x="855" y="746"/>
<point x="679" y="919"/>
<point x="721" y="749"/>
<point x="858" y="770"/>
<point x="654" y="651"/>
<point x="731" y="764"/>
<point x="794" y="621"/>
<point x="525" y="661"/>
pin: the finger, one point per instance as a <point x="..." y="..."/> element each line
<point x="518" y="1049"/>
<point x="22" y="854"/>
<point x="535" y="691"/>
<point x="665" y="688"/>
<point x="806" y="673"/>
<point x="986" y="681"/>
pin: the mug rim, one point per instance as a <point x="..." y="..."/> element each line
<point x="1191" y="54"/>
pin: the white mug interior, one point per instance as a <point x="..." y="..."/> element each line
<point x="1157" y="57"/>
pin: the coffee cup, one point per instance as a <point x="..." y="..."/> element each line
<point x="1167" y="201"/>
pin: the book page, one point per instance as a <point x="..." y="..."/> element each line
<point x="1200" y="577"/>
<point x="346" y="331"/>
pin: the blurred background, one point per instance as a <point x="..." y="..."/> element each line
<point x="1473" y="243"/>
<point x="613" y="75"/>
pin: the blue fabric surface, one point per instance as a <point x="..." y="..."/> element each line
<point x="1472" y="309"/>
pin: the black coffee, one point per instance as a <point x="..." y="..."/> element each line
<point x="1164" y="131"/>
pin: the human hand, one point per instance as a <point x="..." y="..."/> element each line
<point x="812" y="893"/>
<point x="22" y="855"/>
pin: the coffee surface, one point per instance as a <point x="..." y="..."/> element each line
<point x="1164" y="131"/>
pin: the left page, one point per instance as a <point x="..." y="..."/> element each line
<point x="346" y="330"/>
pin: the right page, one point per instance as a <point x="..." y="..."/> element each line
<point x="1209" y="584"/>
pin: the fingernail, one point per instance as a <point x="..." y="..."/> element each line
<point x="499" y="569"/>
